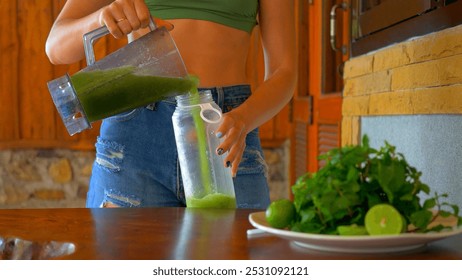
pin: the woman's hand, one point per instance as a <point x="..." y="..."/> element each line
<point x="121" y="17"/>
<point x="233" y="131"/>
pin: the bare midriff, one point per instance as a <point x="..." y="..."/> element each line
<point x="215" y="53"/>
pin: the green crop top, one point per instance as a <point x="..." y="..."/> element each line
<point x="239" y="14"/>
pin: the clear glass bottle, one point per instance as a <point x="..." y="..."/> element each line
<point x="207" y="182"/>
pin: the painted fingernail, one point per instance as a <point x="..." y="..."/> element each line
<point x="220" y="151"/>
<point x="228" y="164"/>
<point x="219" y="134"/>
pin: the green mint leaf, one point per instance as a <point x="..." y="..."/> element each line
<point x="421" y="219"/>
<point x="455" y="208"/>
<point x="391" y="177"/>
<point x="407" y="197"/>
<point x="444" y="214"/>
<point x="307" y="215"/>
<point x="437" y="228"/>
<point x="425" y="188"/>
<point x="429" y="203"/>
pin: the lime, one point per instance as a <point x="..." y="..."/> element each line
<point x="353" y="229"/>
<point x="280" y="213"/>
<point x="404" y="224"/>
<point x="383" y="219"/>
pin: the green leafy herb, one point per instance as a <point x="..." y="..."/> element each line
<point x="354" y="179"/>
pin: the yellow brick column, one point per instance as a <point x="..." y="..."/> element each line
<point x="420" y="76"/>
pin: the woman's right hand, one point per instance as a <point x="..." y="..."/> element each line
<point x="121" y="17"/>
<point x="64" y="43"/>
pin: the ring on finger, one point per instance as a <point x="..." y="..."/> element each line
<point x="121" y="19"/>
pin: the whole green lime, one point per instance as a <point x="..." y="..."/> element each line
<point x="280" y="213"/>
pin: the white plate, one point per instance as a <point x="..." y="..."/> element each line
<point x="353" y="244"/>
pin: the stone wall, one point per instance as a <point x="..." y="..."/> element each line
<point x="44" y="178"/>
<point x="59" y="178"/>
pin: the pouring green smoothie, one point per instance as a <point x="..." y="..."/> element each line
<point x="105" y="93"/>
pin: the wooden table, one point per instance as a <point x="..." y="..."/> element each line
<point x="174" y="233"/>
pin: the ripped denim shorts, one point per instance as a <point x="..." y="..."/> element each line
<point x="137" y="164"/>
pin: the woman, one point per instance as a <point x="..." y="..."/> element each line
<point x="136" y="161"/>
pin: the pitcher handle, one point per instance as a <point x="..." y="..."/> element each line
<point x="90" y="38"/>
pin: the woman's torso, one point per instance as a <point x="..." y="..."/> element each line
<point x="215" y="52"/>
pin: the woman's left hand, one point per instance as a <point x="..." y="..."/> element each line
<point x="233" y="131"/>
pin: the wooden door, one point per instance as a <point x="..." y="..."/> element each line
<point x="316" y="113"/>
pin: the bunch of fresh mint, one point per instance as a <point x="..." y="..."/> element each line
<point x="354" y="179"/>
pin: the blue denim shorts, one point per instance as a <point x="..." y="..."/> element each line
<point x="136" y="162"/>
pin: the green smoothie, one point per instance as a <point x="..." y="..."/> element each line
<point x="104" y="93"/>
<point x="213" y="200"/>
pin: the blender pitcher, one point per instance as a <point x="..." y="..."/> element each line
<point x="144" y="71"/>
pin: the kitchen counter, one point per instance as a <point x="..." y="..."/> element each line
<point x="175" y="233"/>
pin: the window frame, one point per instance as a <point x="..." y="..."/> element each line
<point x="416" y="18"/>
